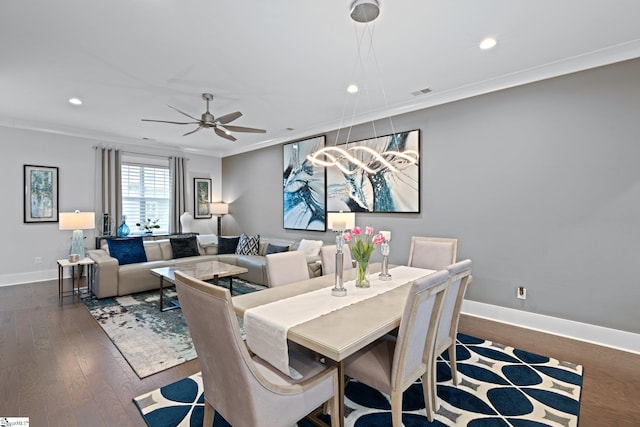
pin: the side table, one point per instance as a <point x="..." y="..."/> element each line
<point x="64" y="263"/>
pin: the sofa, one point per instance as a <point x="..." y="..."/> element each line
<point x="119" y="273"/>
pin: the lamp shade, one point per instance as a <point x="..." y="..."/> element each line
<point x="219" y="208"/>
<point x="340" y="221"/>
<point x="77" y="220"/>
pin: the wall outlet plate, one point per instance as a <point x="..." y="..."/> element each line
<point x="521" y="292"/>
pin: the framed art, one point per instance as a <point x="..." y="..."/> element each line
<point x="303" y="187"/>
<point x="385" y="190"/>
<point x="201" y="198"/>
<point x="40" y="194"/>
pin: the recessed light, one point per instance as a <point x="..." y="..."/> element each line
<point x="488" y="43"/>
<point x="75" y="101"/>
<point x="352" y="88"/>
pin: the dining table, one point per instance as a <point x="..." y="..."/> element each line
<point x="337" y="334"/>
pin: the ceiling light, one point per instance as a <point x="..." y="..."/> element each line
<point x="365" y="10"/>
<point x="488" y="43"/>
<point x="75" y="101"/>
<point x="352" y="88"/>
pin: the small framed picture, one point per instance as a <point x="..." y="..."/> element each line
<point x="40" y="194"/>
<point x="201" y="197"/>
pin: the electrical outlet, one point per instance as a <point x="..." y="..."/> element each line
<point x="38" y="260"/>
<point x="521" y="292"/>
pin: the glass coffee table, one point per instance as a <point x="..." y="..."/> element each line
<point x="207" y="270"/>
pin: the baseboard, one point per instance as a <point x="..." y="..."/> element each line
<point x="32" y="276"/>
<point x="614" y="338"/>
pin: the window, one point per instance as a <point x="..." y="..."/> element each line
<point x="146" y="194"/>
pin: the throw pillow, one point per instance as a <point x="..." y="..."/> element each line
<point x="248" y="245"/>
<point x="127" y="251"/>
<point x="183" y="247"/>
<point x="310" y="247"/>
<point x="274" y="249"/>
<point x="227" y="245"/>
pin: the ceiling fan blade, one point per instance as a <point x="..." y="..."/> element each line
<point x="193" y="131"/>
<point x="182" y="112"/>
<point x="166" y="121"/>
<point x="244" y="129"/>
<point x="223" y="134"/>
<point x="228" y="118"/>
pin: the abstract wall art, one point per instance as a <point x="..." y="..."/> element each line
<point x="303" y="187"/>
<point x="201" y="197"/>
<point x="384" y="189"/>
<point x="40" y="194"/>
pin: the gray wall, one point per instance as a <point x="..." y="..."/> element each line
<point x="539" y="183"/>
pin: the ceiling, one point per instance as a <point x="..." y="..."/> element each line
<point x="285" y="64"/>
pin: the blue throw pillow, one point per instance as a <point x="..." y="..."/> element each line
<point x="183" y="247"/>
<point x="127" y="251"/>
<point x="227" y="245"/>
<point x="274" y="249"/>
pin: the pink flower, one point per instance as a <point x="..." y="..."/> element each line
<point x="378" y="239"/>
<point x="368" y="231"/>
<point x="346" y="236"/>
<point x="356" y="231"/>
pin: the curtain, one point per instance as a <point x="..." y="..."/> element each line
<point x="179" y="192"/>
<point x="109" y="189"/>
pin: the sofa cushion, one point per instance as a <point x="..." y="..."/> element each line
<point x="248" y="245"/>
<point x="127" y="251"/>
<point x="152" y="250"/>
<point x="184" y="247"/>
<point x="310" y="247"/>
<point x="227" y="245"/>
<point x="274" y="249"/>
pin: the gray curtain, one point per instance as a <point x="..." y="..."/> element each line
<point x="110" y="191"/>
<point x="178" y="198"/>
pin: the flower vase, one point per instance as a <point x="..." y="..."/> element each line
<point x="363" y="269"/>
<point x="123" y="230"/>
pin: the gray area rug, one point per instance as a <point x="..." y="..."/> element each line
<point x="150" y="340"/>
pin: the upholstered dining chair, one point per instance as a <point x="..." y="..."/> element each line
<point x="286" y="267"/>
<point x="328" y="257"/>
<point x="459" y="278"/>
<point x="393" y="365"/>
<point x="434" y="253"/>
<point x="246" y="390"/>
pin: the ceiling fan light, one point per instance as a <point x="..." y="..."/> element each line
<point x="365" y="10"/>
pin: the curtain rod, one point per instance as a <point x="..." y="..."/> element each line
<point x="95" y="147"/>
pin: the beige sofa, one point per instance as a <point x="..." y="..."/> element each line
<point x="113" y="279"/>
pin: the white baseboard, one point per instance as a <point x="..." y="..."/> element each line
<point x="614" y="338"/>
<point x="32" y="276"/>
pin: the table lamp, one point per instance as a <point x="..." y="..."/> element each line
<point x="77" y="221"/>
<point x="219" y="209"/>
<point x="339" y="222"/>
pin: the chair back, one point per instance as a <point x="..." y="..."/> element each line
<point x="459" y="275"/>
<point x="200" y="226"/>
<point x="286" y="267"/>
<point x="328" y="257"/>
<point x="418" y="328"/>
<point x="434" y="253"/>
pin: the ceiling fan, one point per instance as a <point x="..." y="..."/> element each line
<point x="207" y="120"/>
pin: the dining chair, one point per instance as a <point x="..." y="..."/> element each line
<point x="328" y="257"/>
<point x="286" y="267"/>
<point x="393" y="364"/>
<point x="434" y="253"/>
<point x="459" y="278"/>
<point x="244" y="389"/>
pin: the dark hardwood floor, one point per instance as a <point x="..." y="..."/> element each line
<point x="58" y="367"/>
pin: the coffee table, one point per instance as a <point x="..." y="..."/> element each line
<point x="207" y="270"/>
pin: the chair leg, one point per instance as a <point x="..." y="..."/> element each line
<point x="396" y="408"/>
<point x="452" y="362"/>
<point x="209" y="414"/>
<point x="427" y="391"/>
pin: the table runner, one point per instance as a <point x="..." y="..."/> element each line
<point x="266" y="326"/>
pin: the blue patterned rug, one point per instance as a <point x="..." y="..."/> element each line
<point x="499" y="386"/>
<point x="150" y="340"/>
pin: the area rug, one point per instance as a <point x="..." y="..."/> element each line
<point x="150" y="340"/>
<point x="499" y="386"/>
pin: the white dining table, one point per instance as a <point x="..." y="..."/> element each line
<point x="340" y="333"/>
